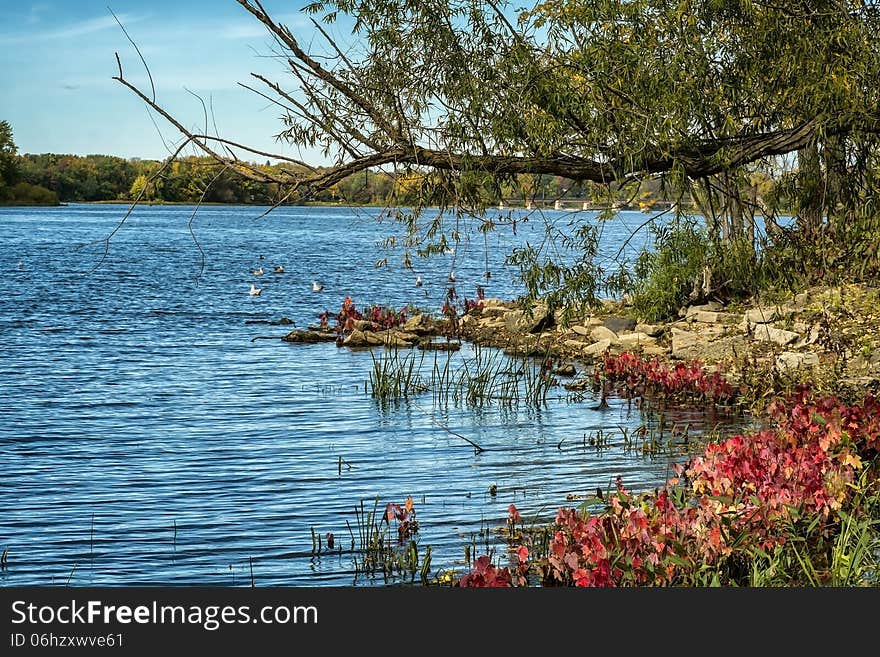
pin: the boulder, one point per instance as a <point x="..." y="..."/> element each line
<point x="653" y="330"/>
<point x="633" y="340"/>
<point x="420" y="324"/>
<point x="619" y="324"/>
<point x="603" y="333"/>
<point x="762" y="315"/>
<point x="597" y="348"/>
<point x="795" y="360"/>
<point x="683" y="342"/>
<point x="395" y="339"/>
<point x="356" y="338"/>
<point x="493" y="311"/>
<point x="518" y="321"/>
<point x="711" y="317"/>
<point x="712" y="306"/>
<point x="766" y="333"/>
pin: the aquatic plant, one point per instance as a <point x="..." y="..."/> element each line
<point x="489" y="376"/>
<point x="395" y="375"/>
<point x="391" y="552"/>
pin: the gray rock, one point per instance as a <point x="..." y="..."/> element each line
<point x="603" y="333"/>
<point x="687" y="345"/>
<point x="712" y="306"/>
<point x="597" y="348"/>
<point x="630" y="340"/>
<point x="795" y="360"/>
<point x="762" y="315"/>
<point x="683" y="342"/>
<point x="703" y="316"/>
<point x="766" y="333"/>
<point x="619" y="324"/>
<point x="649" y="329"/>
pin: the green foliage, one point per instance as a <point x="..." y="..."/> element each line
<point x="81" y="178"/>
<point x="685" y="266"/>
<point x="473" y="101"/>
<point x="570" y="281"/>
<point x="26" y="194"/>
<point x="846" y="557"/>
<point x="665" y="276"/>
<point x="9" y="173"/>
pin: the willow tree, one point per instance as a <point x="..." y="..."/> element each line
<point x="463" y="98"/>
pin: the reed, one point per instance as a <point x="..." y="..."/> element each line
<point x="396" y="376"/>
<point x="488" y="376"/>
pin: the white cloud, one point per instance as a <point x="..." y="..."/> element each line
<point x="71" y="30"/>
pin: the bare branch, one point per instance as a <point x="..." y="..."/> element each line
<point x="319" y="71"/>
<point x="138" y="50"/>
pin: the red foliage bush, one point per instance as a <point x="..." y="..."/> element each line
<point x="380" y="317"/>
<point x="740" y="496"/>
<point x="632" y="376"/>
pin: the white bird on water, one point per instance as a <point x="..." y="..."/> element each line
<point x="418" y="281"/>
<point x="258" y="272"/>
<point x="452" y="276"/>
<point x="255" y="291"/>
<point x="316" y="286"/>
<point x="279" y="269"/>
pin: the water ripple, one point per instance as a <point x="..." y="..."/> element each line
<point x="145" y="439"/>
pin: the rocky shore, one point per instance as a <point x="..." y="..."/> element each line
<point x="827" y="335"/>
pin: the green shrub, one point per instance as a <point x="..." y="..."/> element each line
<point x="26" y="194"/>
<point x="686" y="267"/>
<point x="664" y="277"/>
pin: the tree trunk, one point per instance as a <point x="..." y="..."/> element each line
<point x="811" y="200"/>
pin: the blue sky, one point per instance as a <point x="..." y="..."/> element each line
<point x="57" y="60"/>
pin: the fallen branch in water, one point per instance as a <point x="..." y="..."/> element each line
<point x="477" y="448"/>
<point x="267" y="337"/>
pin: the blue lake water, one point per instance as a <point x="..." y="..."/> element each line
<point x="147" y="438"/>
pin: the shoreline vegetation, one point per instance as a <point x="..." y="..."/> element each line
<point x="794" y="502"/>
